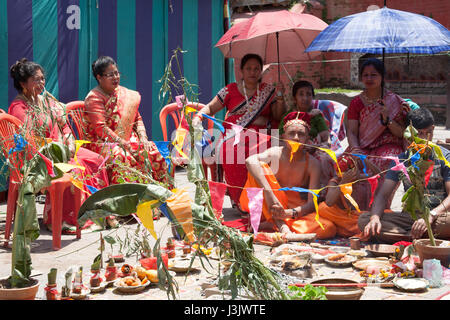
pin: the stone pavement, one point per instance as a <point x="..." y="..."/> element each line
<point x="199" y="285"/>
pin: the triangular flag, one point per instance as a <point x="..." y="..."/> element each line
<point x="237" y="133"/>
<point x="180" y="100"/>
<point x="145" y="215"/>
<point x="217" y="192"/>
<point x="332" y="154"/>
<point x="163" y="208"/>
<point x="294" y="148"/>
<point x="373" y="181"/>
<point x="178" y="143"/>
<point x="439" y="153"/>
<point x="78" y="144"/>
<point x="363" y="158"/>
<point x="399" y="167"/>
<point x="347" y="190"/>
<point x="48" y="164"/>
<point x="66" y="167"/>
<point x="78" y="184"/>
<point x="163" y="148"/>
<point x="91" y="189"/>
<point x="315" y="194"/>
<point x="217" y="123"/>
<point x="255" y="204"/>
<point x="414" y="159"/>
<point x="428" y="173"/>
<point x="190" y="109"/>
<point x="180" y="205"/>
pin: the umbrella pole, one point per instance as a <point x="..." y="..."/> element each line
<point x="278" y="54"/>
<point x="382" y="82"/>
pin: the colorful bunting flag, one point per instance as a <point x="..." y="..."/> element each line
<point x="294" y="148"/>
<point x="347" y="190"/>
<point x="373" y="181"/>
<point x="414" y="159"/>
<point x="145" y="215"/>
<point x="78" y="144"/>
<point x="315" y="194"/>
<point x="363" y="158"/>
<point x="399" y="166"/>
<point x="180" y="205"/>
<point x="237" y="133"/>
<point x="91" y="189"/>
<point x="333" y="156"/>
<point x="66" y="167"/>
<point x="48" y="164"/>
<point x="78" y="184"/>
<point x="178" y="143"/>
<point x="217" y="192"/>
<point x="255" y="204"/>
<point x="20" y="143"/>
<point x="217" y="123"/>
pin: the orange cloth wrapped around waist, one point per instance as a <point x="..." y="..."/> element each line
<point x="346" y="221"/>
<point x="288" y="199"/>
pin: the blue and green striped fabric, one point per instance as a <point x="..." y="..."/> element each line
<point x="66" y="36"/>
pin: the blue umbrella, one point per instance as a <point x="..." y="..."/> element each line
<point x="383" y="31"/>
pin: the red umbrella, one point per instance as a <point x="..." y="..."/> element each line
<point x="280" y="36"/>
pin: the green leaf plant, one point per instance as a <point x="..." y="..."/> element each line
<point x="416" y="200"/>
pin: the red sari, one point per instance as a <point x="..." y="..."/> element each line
<point x="93" y="175"/>
<point x="242" y="112"/>
<point x="114" y="118"/>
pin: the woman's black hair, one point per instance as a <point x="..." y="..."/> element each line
<point x="421" y="118"/>
<point x="377" y="64"/>
<point x="101" y="64"/>
<point x="302" y="84"/>
<point x="22" y="70"/>
<point x="250" y="56"/>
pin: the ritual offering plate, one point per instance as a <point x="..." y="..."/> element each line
<point x="362" y="264"/>
<point x="182" y="265"/>
<point x="80" y="296"/>
<point x="411" y="284"/>
<point x="340" y="260"/>
<point x="357" y="253"/>
<point x="340" y="289"/>
<point x="381" y="250"/>
<point x="98" y="289"/>
<point x="131" y="284"/>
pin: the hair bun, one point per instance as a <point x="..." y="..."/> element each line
<point x="15" y="68"/>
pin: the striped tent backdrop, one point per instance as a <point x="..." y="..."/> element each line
<point x="66" y="36"/>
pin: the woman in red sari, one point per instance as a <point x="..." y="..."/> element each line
<point x="376" y="118"/>
<point x="115" y="127"/>
<point x="253" y="105"/>
<point x="44" y="117"/>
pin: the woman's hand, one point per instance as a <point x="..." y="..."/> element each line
<point x="384" y="111"/>
<point x="197" y="121"/>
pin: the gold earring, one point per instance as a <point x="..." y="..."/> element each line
<point x="24" y="91"/>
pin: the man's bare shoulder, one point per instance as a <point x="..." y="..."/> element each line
<point x="314" y="164"/>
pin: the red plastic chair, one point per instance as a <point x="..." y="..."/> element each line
<point x="9" y="125"/>
<point x="75" y="111"/>
<point x="174" y="111"/>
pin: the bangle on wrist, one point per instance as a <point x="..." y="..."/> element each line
<point x="294" y="213"/>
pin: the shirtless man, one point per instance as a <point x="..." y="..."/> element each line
<point x="285" y="209"/>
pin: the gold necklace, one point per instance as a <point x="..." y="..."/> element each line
<point x="370" y="100"/>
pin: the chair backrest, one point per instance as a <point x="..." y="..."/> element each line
<point x="174" y="111"/>
<point x="75" y="113"/>
<point x="9" y="125"/>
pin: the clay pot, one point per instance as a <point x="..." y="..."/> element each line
<point x="427" y="251"/>
<point x="27" y="293"/>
